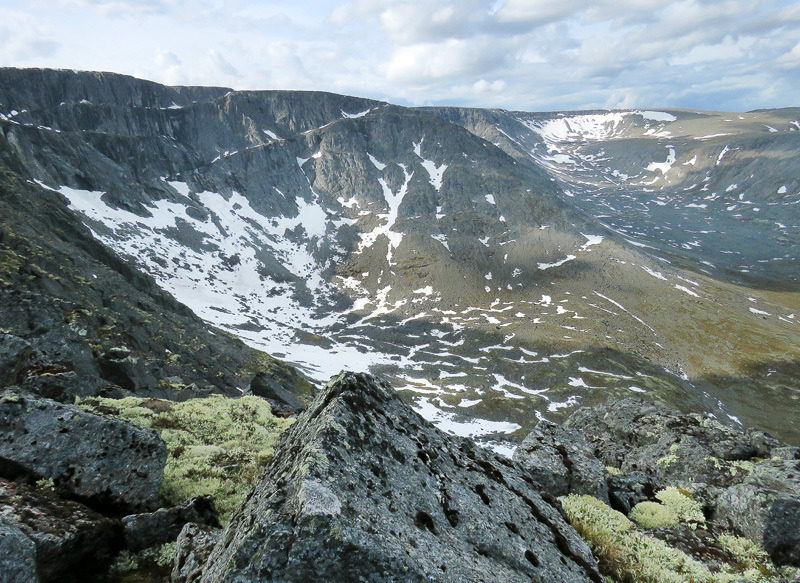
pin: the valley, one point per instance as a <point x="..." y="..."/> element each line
<point x="496" y="267"/>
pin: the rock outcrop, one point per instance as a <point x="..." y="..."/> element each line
<point x="364" y="489"/>
<point x="106" y="462"/>
<point x="747" y="481"/>
<point x="562" y="461"/>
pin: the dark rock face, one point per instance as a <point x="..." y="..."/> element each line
<point x="104" y="461"/>
<point x="17" y="556"/>
<point x="628" y="490"/>
<point x="61" y="534"/>
<point x="281" y="400"/>
<point x="562" y="462"/>
<point x="15" y="357"/>
<point x="142" y="531"/>
<point x="364" y="489"/>
<point x="194" y="546"/>
<point x="748" y="482"/>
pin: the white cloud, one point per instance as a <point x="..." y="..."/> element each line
<point x="517" y="54"/>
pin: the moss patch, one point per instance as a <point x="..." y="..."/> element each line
<point x="217" y="446"/>
<point x="628" y="555"/>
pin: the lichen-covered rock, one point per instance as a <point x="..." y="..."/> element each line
<point x="731" y="471"/>
<point x="765" y="508"/>
<point x="146" y="530"/>
<point x="364" y="489"/>
<point x="101" y="460"/>
<point x="17" y="556"/>
<point x="562" y="461"/>
<point x="65" y="534"/>
<point x="194" y="546"/>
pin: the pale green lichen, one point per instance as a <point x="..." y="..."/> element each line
<point x="681" y="503"/>
<point x="630" y="555"/>
<point x="734" y="468"/>
<point x="613" y="471"/>
<point x="667" y="460"/>
<point x="217" y="446"/>
<point x="654" y="515"/>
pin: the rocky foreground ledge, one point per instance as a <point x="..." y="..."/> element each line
<point x="361" y="488"/>
<point x="364" y="489"/>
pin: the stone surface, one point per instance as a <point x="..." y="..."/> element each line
<point x="562" y="461"/>
<point x="627" y="490"/>
<point x="16" y="355"/>
<point x="104" y="461"/>
<point x="194" y="545"/>
<point x="363" y="489"/>
<point x="748" y="482"/>
<point x="67" y="536"/>
<point x="17" y="556"/>
<point x="281" y="400"/>
<point x="145" y="530"/>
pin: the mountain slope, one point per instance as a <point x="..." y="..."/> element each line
<point x="474" y="266"/>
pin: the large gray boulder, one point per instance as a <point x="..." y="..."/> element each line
<point x="104" y="461"/>
<point x="562" y="461"/>
<point x="363" y="489"/>
<point x="63" y="536"/>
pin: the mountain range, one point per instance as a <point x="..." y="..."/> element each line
<point x="497" y="267"/>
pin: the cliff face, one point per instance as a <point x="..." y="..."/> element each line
<point x="495" y="265"/>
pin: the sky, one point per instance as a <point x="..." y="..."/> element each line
<point x="532" y="55"/>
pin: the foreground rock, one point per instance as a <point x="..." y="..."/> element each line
<point x="62" y="535"/>
<point x="562" y="461"/>
<point x="363" y="489"/>
<point x="747" y="481"/>
<point x="106" y="462"/>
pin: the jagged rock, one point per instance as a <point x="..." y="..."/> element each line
<point x="692" y="449"/>
<point x="364" y="489"/>
<point x="562" y="461"/>
<point x="765" y="508"/>
<point x="725" y="467"/>
<point x="194" y="546"/>
<point x="17" y="556"/>
<point x="627" y="490"/>
<point x="281" y="400"/>
<point x="66" y="535"/>
<point x="142" y="531"/>
<point x="104" y="461"/>
<point x="16" y="355"/>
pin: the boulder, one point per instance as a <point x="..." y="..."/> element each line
<point x="694" y="451"/>
<point x="747" y="481"/>
<point x="364" y="489"/>
<point x="105" y="462"/>
<point x="145" y="530"/>
<point x="562" y="461"/>
<point x="17" y="556"/>
<point x="65" y="536"/>
<point x="194" y="545"/>
<point x="765" y="508"/>
<point x="280" y="399"/>
<point x="627" y="490"/>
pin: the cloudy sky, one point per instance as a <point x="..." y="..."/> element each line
<point x="516" y="54"/>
